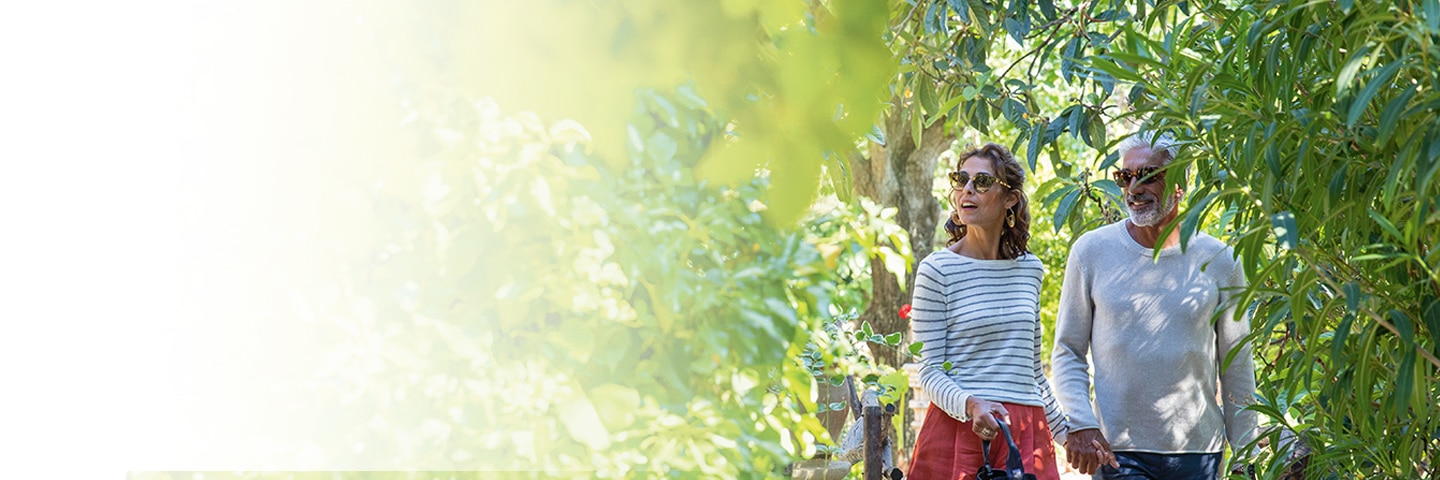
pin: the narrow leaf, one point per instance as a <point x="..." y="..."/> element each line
<point x="1432" y="14"/>
<point x="1386" y="225"/>
<point x="1348" y="72"/>
<point x="1404" y="325"/>
<point x="876" y="135"/>
<point x="1032" y="151"/>
<point x="1192" y="218"/>
<point x="1404" y="383"/>
<point x="1391" y="115"/>
<point x="962" y="7"/>
<point x="1337" y="343"/>
<point x="915" y="119"/>
<point x="1067" y="204"/>
<point x="1047" y="8"/>
<point x="1357" y="107"/>
<point x="1352" y="297"/>
<point x="1286" y="234"/>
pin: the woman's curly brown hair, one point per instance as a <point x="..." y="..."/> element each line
<point x="1015" y="240"/>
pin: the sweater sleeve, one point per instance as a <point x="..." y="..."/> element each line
<point x="1053" y="414"/>
<point x="1070" y="357"/>
<point x="928" y="317"/>
<point x="1237" y="383"/>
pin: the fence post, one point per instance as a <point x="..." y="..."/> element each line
<point x="874" y="436"/>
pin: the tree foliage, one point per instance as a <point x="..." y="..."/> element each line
<point x="1311" y="131"/>
<point x="615" y="282"/>
<point x="1315" y="136"/>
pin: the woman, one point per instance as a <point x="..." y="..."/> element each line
<point x="977" y="307"/>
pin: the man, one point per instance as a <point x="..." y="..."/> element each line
<point x="1149" y="327"/>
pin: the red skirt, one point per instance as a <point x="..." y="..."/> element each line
<point x="947" y="449"/>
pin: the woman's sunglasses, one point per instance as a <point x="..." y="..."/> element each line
<point x="983" y="181"/>
<point x="1147" y="176"/>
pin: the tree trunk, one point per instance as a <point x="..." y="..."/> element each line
<point x="900" y="174"/>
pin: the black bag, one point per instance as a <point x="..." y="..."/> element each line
<point x="1014" y="468"/>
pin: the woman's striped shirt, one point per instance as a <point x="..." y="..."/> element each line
<point x="982" y="316"/>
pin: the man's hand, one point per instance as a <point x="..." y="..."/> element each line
<point x="1087" y="450"/>
<point x="982" y="417"/>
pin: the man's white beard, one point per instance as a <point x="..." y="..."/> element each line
<point x="1152" y="215"/>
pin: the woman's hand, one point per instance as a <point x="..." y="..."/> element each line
<point x="982" y="417"/>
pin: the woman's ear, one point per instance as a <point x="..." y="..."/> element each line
<point x="1012" y="198"/>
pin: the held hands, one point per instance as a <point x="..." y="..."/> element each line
<point x="983" y="414"/>
<point x="1087" y="450"/>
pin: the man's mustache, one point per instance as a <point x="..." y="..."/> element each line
<point x="1141" y="197"/>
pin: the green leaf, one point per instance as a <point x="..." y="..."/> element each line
<point x="1191" y="222"/>
<point x="1136" y="92"/>
<point x="1404" y="325"/>
<point x="865" y="329"/>
<point x="1077" y="120"/>
<point x="876" y="135"/>
<point x="1432" y="14"/>
<point x="1107" y="65"/>
<point x="893" y="339"/>
<point x="1391" y="115"/>
<point x="934" y="19"/>
<point x="1014" y="111"/>
<point x="1047" y="8"/>
<point x="583" y="423"/>
<point x="1016" y="30"/>
<point x="1357" y="107"/>
<point x="1337" y="342"/>
<point x="1287" y="235"/>
<point x="1095" y="131"/>
<point x="1111" y="189"/>
<point x="925" y="89"/>
<point x="1432" y="320"/>
<point x="915" y="127"/>
<point x="947" y="366"/>
<point x="1352" y="297"/>
<point x="1386" y="225"/>
<point x="1032" y="150"/>
<point x="1068" y="56"/>
<point x="687" y="97"/>
<point x="1067" y="204"/>
<point x="962" y="7"/>
<point x="1337" y="183"/>
<point x="661" y="148"/>
<point x="1347" y="74"/>
<point x="915" y="348"/>
<point x="1404" y="383"/>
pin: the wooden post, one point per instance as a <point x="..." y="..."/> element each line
<point x="874" y="436"/>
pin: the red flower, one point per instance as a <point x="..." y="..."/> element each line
<point x="905" y="311"/>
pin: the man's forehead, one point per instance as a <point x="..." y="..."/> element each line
<point x="1142" y="157"/>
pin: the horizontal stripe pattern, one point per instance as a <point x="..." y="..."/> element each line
<point x="982" y="316"/>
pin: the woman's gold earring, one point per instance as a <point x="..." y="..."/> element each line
<point x="1010" y="219"/>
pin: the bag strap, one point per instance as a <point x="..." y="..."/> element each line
<point x="1014" y="468"/>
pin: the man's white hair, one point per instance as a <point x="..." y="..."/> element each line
<point x="1148" y="139"/>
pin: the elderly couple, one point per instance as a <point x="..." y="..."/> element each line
<point x="1141" y="330"/>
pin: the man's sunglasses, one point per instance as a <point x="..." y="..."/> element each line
<point x="983" y="181"/>
<point x="1147" y="175"/>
